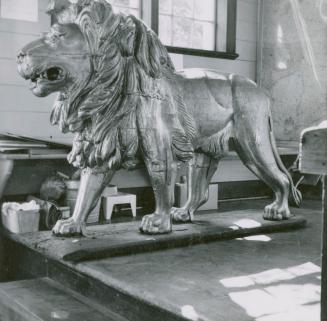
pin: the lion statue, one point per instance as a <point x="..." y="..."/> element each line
<point x="119" y="93"/>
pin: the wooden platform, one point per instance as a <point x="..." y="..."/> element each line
<point x="130" y="286"/>
<point x="124" y="238"/>
<point x="45" y="300"/>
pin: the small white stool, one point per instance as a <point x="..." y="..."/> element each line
<point x="109" y="201"/>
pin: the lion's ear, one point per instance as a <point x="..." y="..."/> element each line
<point x="126" y="35"/>
<point x="149" y="52"/>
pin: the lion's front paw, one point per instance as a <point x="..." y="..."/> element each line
<point x="68" y="227"/>
<point x="276" y="212"/>
<point x="156" y="224"/>
<point x="180" y="215"/>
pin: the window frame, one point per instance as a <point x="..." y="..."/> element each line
<point x="230" y="52"/>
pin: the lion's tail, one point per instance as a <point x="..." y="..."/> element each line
<point x="296" y="194"/>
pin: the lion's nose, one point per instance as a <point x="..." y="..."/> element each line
<point x="20" y="57"/>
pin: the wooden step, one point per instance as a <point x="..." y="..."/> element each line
<point x="45" y="300"/>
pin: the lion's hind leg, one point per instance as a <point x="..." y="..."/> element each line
<point x="253" y="142"/>
<point x="200" y="172"/>
<point x="265" y="168"/>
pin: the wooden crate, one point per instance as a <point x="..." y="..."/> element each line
<point x="313" y="150"/>
<point x="313" y="160"/>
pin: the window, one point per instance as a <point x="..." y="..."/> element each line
<point x="188" y="24"/>
<point x="126" y="6"/>
<point x="196" y="27"/>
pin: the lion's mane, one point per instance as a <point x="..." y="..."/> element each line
<point x="127" y="59"/>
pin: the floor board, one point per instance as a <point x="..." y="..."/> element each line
<point x="44" y="300"/>
<point x="263" y="277"/>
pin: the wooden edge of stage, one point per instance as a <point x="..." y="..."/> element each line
<point x="103" y="241"/>
<point x="181" y="240"/>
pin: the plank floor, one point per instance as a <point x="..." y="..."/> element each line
<point x="270" y="274"/>
<point x="267" y="277"/>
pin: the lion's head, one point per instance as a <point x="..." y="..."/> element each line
<point x="59" y="61"/>
<point x="101" y="63"/>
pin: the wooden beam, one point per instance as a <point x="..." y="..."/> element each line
<point x="231" y="26"/>
<point x="155" y="16"/>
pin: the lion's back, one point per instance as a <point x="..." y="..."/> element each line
<point x="208" y="97"/>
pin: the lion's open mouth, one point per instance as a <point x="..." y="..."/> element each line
<point x="49" y="75"/>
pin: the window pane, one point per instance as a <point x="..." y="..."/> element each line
<point x="222" y="25"/>
<point x="165" y="6"/>
<point x="182" y="32"/>
<point x="204" y="10"/>
<point x="188" y="23"/>
<point x="165" y="29"/>
<point x="183" y="8"/>
<point x="126" y="3"/>
<point x="204" y="35"/>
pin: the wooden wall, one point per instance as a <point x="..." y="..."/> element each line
<point x="20" y="111"/>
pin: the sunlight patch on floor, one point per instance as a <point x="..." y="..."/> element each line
<point x="256" y="238"/>
<point x="304" y="269"/>
<point x="302" y="313"/>
<point x="271" y="276"/>
<point x="272" y="297"/>
<point x="247" y="223"/>
<point x="277" y="300"/>
<point x="189" y="312"/>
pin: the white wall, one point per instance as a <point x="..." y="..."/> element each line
<point x="20" y="111"/>
<point x="292" y="64"/>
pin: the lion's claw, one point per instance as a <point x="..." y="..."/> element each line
<point x="180" y="215"/>
<point x="156" y="224"/>
<point x="68" y="227"/>
<point x="276" y="212"/>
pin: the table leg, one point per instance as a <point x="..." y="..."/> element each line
<point x="133" y="206"/>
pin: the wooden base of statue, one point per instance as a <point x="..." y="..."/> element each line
<point x="123" y="238"/>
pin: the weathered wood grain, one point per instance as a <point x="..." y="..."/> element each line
<point x="45" y="300"/>
<point x="123" y="238"/>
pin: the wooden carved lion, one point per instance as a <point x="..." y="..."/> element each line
<point x="121" y="96"/>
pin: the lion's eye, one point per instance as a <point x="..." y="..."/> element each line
<point x="58" y="35"/>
